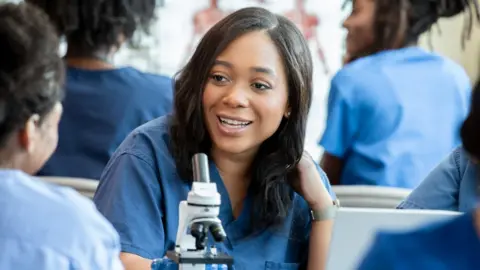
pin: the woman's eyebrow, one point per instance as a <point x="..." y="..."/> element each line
<point x="257" y="69"/>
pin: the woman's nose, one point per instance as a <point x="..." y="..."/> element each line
<point x="237" y="96"/>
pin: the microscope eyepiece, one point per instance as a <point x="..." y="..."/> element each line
<point x="200" y="168"/>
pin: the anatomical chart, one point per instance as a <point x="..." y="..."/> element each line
<point x="182" y="23"/>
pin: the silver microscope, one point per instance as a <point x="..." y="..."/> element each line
<point x="198" y="217"/>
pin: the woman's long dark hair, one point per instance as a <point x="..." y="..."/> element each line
<point x="273" y="167"/>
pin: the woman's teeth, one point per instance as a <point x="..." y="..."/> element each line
<point x="234" y="123"/>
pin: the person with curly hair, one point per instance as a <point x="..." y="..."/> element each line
<point x="104" y="103"/>
<point x="42" y="226"/>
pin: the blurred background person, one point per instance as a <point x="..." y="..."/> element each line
<point x="103" y="102"/>
<point x="449" y="245"/>
<point x="42" y="226"/>
<point x="394" y="110"/>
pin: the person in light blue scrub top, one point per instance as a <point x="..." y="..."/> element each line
<point x="395" y="109"/>
<point x="449" y="245"/>
<point x="42" y="226"/>
<point x="243" y="102"/>
<point x="103" y="103"/>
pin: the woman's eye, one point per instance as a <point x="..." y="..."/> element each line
<point x="219" y="78"/>
<point x="260" y="86"/>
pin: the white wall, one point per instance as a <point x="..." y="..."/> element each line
<point x="448" y="42"/>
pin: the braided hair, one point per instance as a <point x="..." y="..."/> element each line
<point x="98" y="24"/>
<point x="398" y="23"/>
<point x="31" y="70"/>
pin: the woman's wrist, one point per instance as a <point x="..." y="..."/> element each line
<point x="321" y="204"/>
<point x="324" y="211"/>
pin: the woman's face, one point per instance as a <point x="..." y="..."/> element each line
<point x="246" y="94"/>
<point x="359" y="25"/>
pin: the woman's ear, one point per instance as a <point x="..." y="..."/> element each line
<point x="288" y="110"/>
<point x="27" y="135"/>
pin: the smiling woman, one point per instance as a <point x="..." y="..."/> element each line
<point x="244" y="102"/>
<point x="243" y="98"/>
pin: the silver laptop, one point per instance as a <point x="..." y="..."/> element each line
<point x="355" y="229"/>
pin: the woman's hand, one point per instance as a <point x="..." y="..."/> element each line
<point x="310" y="184"/>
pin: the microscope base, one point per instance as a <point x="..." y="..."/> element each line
<point x="196" y="260"/>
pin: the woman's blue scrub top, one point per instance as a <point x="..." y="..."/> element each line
<point x="140" y="191"/>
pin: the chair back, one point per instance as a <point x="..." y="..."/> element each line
<point x="370" y="196"/>
<point x="86" y="187"/>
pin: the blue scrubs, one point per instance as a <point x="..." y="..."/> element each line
<point x="101" y="108"/>
<point x="452" y="185"/>
<point x="394" y="115"/>
<point x="45" y="227"/>
<point x="453" y="245"/>
<point x="140" y="192"/>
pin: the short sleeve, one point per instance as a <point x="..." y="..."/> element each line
<point x="326" y="182"/>
<point x="107" y="257"/>
<point x="342" y="123"/>
<point x="96" y="230"/>
<point x="129" y="197"/>
<point x="440" y="190"/>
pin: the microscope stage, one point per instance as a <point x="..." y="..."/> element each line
<point x="198" y="258"/>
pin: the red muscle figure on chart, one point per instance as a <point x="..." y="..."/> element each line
<point x="307" y="23"/>
<point x="203" y="20"/>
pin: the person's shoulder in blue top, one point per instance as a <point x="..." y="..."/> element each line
<point x="52" y="227"/>
<point x="383" y="124"/>
<point x="443" y="246"/>
<point x="382" y="118"/>
<point x="452" y="185"/>
<point x="140" y="191"/>
<point x="103" y="103"/>
<point x="243" y="103"/>
<point x="100" y="109"/>
<point x="42" y="226"/>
